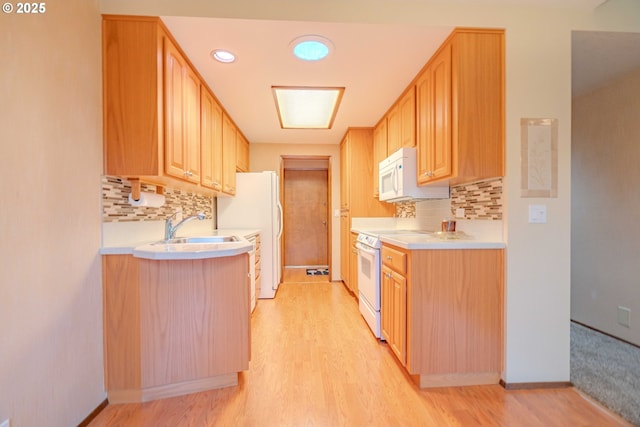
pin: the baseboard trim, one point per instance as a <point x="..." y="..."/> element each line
<point x="455" y="380"/>
<point x="171" y="390"/>
<point x="94" y="413"/>
<point x="535" y="385"/>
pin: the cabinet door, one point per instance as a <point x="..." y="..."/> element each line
<point x="399" y="317"/>
<point x="379" y="153"/>
<point x="353" y="264"/>
<point x="228" y="155"/>
<point x="242" y="153"/>
<point x="174" y="152"/>
<point x="192" y="126"/>
<point x="394" y="312"/>
<point x="211" y="141"/>
<point x="441" y="145"/>
<point x="424" y="125"/>
<point x="394" y="130"/>
<point x="434" y="124"/>
<point x="345" y="259"/>
<point x="386" y="304"/>
<point x="407" y="110"/>
<point x="182" y="116"/>
<point x="344" y="173"/>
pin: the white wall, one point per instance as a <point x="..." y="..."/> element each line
<point x="606" y="207"/>
<point x="51" y="364"/>
<point x="267" y="157"/>
<point x="538" y="85"/>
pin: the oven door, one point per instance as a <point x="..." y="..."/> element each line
<point x="369" y="275"/>
<point x="369" y="287"/>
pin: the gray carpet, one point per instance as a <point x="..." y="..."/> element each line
<point x="607" y="370"/>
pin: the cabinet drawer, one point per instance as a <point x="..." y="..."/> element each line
<point x="394" y="259"/>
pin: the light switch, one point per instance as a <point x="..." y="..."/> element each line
<point x="537" y="214"/>
<point x="460" y="213"/>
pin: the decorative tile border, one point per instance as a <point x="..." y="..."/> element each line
<point x="406" y="210"/>
<point x="480" y="200"/>
<point x="116" y="207"/>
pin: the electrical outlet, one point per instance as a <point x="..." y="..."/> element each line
<point x="459" y="212"/>
<point x="6" y="423"/>
<point x="624" y="316"/>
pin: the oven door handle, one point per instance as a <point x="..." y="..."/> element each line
<point x="366" y="249"/>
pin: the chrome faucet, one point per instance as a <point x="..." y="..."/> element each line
<point x="170" y="229"/>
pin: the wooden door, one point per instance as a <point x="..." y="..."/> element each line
<point x="305" y="218"/>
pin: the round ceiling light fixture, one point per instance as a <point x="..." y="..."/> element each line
<point x="311" y="47"/>
<point x="224" y="56"/>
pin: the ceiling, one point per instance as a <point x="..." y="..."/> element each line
<point x="374" y="62"/>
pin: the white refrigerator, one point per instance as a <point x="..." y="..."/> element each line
<point x="257" y="205"/>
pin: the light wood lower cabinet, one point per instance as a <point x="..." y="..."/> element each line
<point x="353" y="264"/>
<point x="394" y="321"/>
<point x="448" y="311"/>
<point x="174" y="327"/>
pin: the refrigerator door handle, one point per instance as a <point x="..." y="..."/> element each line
<point x="280" y="220"/>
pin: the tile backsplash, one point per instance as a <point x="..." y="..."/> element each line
<point x="116" y="207"/>
<point x="481" y="200"/>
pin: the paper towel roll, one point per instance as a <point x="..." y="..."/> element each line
<point x="150" y="200"/>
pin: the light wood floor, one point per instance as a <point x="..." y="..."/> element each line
<point x="315" y="363"/>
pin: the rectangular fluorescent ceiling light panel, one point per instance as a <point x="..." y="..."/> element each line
<point x="307" y="107"/>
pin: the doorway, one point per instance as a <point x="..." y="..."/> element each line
<point x="305" y="194"/>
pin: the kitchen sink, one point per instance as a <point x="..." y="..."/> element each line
<point x="198" y="239"/>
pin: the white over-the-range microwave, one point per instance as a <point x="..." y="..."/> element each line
<point x="399" y="183"/>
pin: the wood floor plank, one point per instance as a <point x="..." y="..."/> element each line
<point x="315" y="363"/>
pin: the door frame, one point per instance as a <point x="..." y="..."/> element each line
<point x="313" y="161"/>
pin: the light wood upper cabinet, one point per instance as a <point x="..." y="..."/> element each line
<point x="401" y="122"/>
<point x="460" y="109"/>
<point x="211" y="140"/>
<point x="242" y="153"/>
<point x="182" y="116"/>
<point x="434" y="118"/>
<point x="162" y="124"/>
<point x="379" y="153"/>
<point x="228" y="155"/>
<point x="344" y="174"/>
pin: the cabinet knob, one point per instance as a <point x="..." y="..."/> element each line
<point x="188" y="173"/>
<point x="428" y="173"/>
<point x="389" y="257"/>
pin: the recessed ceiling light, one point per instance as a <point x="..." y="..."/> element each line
<point x="307" y="107"/>
<point x="222" y="55"/>
<point x="311" y="47"/>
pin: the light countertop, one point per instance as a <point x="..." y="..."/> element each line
<point x="149" y="250"/>
<point x="424" y="240"/>
<point x="438" y="241"/>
